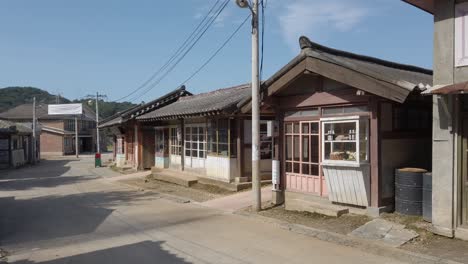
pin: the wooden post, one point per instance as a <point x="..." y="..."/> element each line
<point x="182" y="148"/>
<point x="375" y="153"/>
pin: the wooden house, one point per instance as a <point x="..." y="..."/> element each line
<point x="134" y="146"/>
<point x="346" y="122"/>
<point x="209" y="136"/>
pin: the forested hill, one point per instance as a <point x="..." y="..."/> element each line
<point x="13" y="96"/>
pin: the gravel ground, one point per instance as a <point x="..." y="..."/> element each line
<point x="197" y="192"/>
<point x="342" y="225"/>
<point x="427" y="242"/>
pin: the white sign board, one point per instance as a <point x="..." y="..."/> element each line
<point x="65" y="109"/>
<point x="275" y="174"/>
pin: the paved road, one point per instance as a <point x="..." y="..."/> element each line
<point x="64" y="211"/>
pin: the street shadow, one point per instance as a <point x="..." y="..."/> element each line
<point x="145" y="252"/>
<point x="25" y="184"/>
<point x="50" y="217"/>
<point x="50" y="168"/>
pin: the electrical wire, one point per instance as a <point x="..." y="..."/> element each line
<point x="217" y="51"/>
<point x="175" y="54"/>
<point x="211" y="21"/>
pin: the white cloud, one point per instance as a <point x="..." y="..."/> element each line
<point x="317" y="18"/>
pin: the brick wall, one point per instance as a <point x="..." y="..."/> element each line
<point x="51" y="144"/>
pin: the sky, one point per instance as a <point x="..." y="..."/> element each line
<point x="77" y="48"/>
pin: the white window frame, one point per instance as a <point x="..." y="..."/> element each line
<point x="349" y="119"/>
<point x="198" y="142"/>
<point x="461" y="34"/>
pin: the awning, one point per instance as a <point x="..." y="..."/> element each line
<point x="458" y="88"/>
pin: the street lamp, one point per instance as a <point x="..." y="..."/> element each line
<point x="256" y="181"/>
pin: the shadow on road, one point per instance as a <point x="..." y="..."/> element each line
<point x="44" y="169"/>
<point x="145" y="252"/>
<point x="49" y="217"/>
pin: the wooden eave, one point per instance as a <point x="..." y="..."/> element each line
<point x="425" y="5"/>
<point x="386" y="89"/>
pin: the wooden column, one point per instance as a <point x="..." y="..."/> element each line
<point x="280" y="151"/>
<point x="375" y="181"/>
<point x="240" y="145"/>
<point x="182" y="148"/>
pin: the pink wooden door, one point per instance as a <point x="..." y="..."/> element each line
<point x="302" y="149"/>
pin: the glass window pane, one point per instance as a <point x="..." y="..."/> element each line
<point x="289" y="146"/>
<point x="296" y="128"/>
<point x="314" y="149"/>
<point x="201" y="146"/>
<point x="289" y="128"/>
<point x="187" y="152"/>
<point x="223" y="149"/>
<point x="296" y="167"/>
<point x="194" y="130"/>
<point x="355" y="109"/>
<point x="187" y="145"/>
<point x="296" y="148"/>
<point x="195" y="145"/>
<point x="314" y="170"/>
<point x="305" y="169"/>
<point x="194" y="153"/>
<point x="305" y="128"/>
<point x="288" y="167"/>
<point x="332" y="110"/>
<point x="343" y="151"/>
<point x="194" y="137"/>
<point x="305" y="148"/>
<point x="314" y="128"/>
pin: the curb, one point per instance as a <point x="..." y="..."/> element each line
<point x="344" y="240"/>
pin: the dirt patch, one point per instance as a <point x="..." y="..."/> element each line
<point x="429" y="243"/>
<point x="342" y="225"/>
<point x="197" y="192"/>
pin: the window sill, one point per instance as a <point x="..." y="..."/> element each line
<point x="338" y="163"/>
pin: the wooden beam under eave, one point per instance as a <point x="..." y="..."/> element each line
<point x="357" y="80"/>
<point x="294" y="73"/>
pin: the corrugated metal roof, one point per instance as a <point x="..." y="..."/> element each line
<point x="216" y="102"/>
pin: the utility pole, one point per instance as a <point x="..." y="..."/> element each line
<point x="256" y="181"/>
<point x="76" y="136"/>
<point x="98" y="148"/>
<point x="33" y="147"/>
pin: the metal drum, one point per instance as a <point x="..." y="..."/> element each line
<point x="409" y="191"/>
<point x="427" y="197"/>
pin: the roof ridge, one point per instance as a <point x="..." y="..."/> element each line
<point x="232" y="88"/>
<point x="305" y="43"/>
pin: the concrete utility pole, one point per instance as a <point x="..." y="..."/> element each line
<point x="76" y="137"/>
<point x="33" y="147"/>
<point x="256" y="180"/>
<point x="98" y="148"/>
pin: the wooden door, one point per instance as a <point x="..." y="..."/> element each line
<point x="148" y="148"/>
<point x="302" y="164"/>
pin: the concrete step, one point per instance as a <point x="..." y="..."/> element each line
<point x="309" y="203"/>
<point x="178" y="178"/>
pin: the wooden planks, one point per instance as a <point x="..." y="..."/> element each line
<point x="348" y="185"/>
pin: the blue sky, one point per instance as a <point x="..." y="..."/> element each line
<point x="112" y="46"/>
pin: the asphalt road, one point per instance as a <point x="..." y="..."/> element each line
<point x="64" y="211"/>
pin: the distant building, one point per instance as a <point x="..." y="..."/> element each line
<point x="16" y="147"/>
<point x="58" y="131"/>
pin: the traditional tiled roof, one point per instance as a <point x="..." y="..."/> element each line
<point x="222" y="101"/>
<point x="24" y="112"/>
<point x="14" y="127"/>
<point x="406" y="78"/>
<point x="141" y="109"/>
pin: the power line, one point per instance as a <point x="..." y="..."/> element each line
<point x="213" y="19"/>
<point x="217" y="51"/>
<point x="174" y="55"/>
